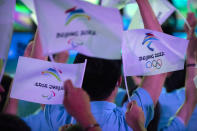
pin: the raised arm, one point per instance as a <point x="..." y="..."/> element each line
<point x="149" y="19"/>
<point x="152" y="84"/>
<point x="135" y="117"/>
<point x="11" y="106"/>
<point x="79" y="107"/>
<point x="187" y="108"/>
<point x="37" y="50"/>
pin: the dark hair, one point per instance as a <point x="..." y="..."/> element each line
<point x="100" y="77"/>
<point x="175" y="81"/>
<point x="10" y="122"/>
<point x="75" y="127"/>
<point x="6" y="82"/>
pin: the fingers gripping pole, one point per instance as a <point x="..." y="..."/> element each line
<point x="51" y="57"/>
<point x="72" y="120"/>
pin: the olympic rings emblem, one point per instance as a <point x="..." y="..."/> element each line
<point x="156" y="64"/>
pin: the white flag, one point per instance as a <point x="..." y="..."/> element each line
<point x="116" y="3"/>
<point x="77" y="25"/>
<point x="147" y="52"/>
<point x="162" y="9"/>
<point x="42" y="81"/>
<point x="7" y="8"/>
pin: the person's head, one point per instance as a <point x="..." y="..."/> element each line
<point x="175" y="80"/>
<point x="101" y="76"/>
<point x="5" y="82"/>
<point x="10" y="122"/>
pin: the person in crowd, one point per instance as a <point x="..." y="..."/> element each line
<point x="10" y="122"/>
<point x="134" y="115"/>
<point x="82" y="102"/>
<point x="5" y="82"/>
<point x="101" y="81"/>
<point x="175" y="98"/>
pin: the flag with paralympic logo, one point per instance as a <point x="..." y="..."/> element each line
<point x="78" y="25"/>
<point x="42" y="81"/>
<point x="147" y="52"/>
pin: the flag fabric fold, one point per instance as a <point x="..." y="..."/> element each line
<point x="42" y="81"/>
<point x="146" y="52"/>
<point x="7" y="8"/>
<point x="162" y="9"/>
<point x="77" y="25"/>
<point x="30" y="5"/>
<point x="116" y="3"/>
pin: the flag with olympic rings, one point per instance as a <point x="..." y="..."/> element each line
<point x="147" y="52"/>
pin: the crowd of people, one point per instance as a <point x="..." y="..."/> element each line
<point x="156" y="104"/>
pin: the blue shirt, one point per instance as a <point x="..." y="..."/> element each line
<point x="107" y="114"/>
<point x="170" y="103"/>
<point x="175" y="124"/>
<point x="120" y="96"/>
<point x="37" y="122"/>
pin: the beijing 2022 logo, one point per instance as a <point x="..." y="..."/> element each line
<point x="148" y="40"/>
<point x="53" y="72"/>
<point x="74" y="13"/>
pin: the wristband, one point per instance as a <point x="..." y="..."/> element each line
<point x="190" y="65"/>
<point x="91" y="126"/>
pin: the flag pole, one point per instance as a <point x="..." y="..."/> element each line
<point x="186" y="22"/>
<point x="189" y="5"/>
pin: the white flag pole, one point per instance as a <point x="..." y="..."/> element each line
<point x="51" y="58"/>
<point x="84" y="72"/>
<point x="72" y="120"/>
<point x="189" y="5"/>
<point x="186" y="22"/>
<point x="125" y="80"/>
